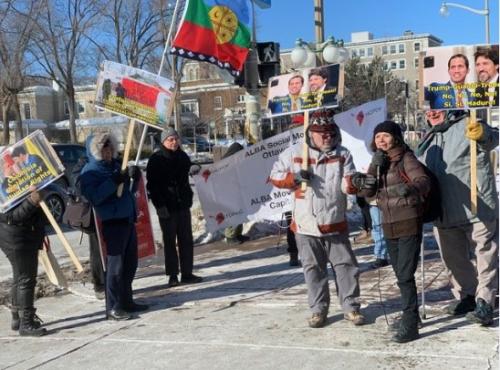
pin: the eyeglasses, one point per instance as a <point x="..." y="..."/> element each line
<point x="326" y="134"/>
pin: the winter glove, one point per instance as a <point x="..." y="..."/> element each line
<point x="362" y="181"/>
<point x="134" y="172"/>
<point x="194" y="170"/>
<point x="120" y="177"/>
<point x="474" y="131"/>
<point x="163" y="212"/>
<point x="399" y="190"/>
<point x="37" y="196"/>
<point x="380" y="159"/>
<point x="303" y="176"/>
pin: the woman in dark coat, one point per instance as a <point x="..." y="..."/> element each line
<point x="401" y="184"/>
<point x="21" y="236"/>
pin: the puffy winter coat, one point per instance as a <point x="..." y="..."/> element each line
<point x="168" y="179"/>
<point x="97" y="185"/>
<point x="22" y="227"/>
<point x="320" y="210"/>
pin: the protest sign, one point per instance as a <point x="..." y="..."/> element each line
<point x="29" y="162"/>
<point x="459" y="77"/>
<point x="237" y="189"/>
<point x="134" y="93"/>
<point x="307" y="89"/>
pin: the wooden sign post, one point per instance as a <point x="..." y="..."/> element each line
<point x="126" y="153"/>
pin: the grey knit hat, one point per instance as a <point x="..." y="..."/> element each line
<point x="170" y="131"/>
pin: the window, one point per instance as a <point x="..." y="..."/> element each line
<point x="27" y="110"/>
<point x="394" y="65"/>
<point x="416" y="46"/>
<point x="402" y="64"/>
<point x="66" y="109"/>
<point x="369" y="52"/>
<point x="217" y="102"/>
<point x="384" y="49"/>
<point x="361" y="53"/>
<point x="192" y="73"/>
<point x="393" y="49"/>
<point x="415" y="63"/>
<point x="190" y="106"/>
<point x="401" y="48"/>
<point x="80" y="106"/>
<point x="354" y="53"/>
<point x="386" y="66"/>
<point x="241" y="98"/>
<point x="416" y="84"/>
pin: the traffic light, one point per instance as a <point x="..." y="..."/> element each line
<point x="269" y="61"/>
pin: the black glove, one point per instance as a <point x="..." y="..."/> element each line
<point x="303" y="176"/>
<point x="120" y="177"/>
<point x="380" y="159"/>
<point x="194" y="170"/>
<point x="37" y="196"/>
<point x="163" y="212"/>
<point x="362" y="181"/>
<point x="134" y="173"/>
<point x="399" y="190"/>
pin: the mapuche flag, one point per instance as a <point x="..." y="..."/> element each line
<point x="215" y="31"/>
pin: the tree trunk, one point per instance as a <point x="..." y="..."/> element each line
<point x="70" y="95"/>
<point x="17" y="114"/>
<point x="5" y="118"/>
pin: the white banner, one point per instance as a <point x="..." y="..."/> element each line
<point x="237" y="189"/>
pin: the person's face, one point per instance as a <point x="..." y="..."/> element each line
<point x="171" y="142"/>
<point x="294" y="86"/>
<point x="107" y="153"/>
<point x="9" y="169"/>
<point x="384" y="141"/>
<point x="20" y="159"/>
<point x="315" y="82"/>
<point x="323" y="140"/>
<point x="485" y="69"/>
<point x="435" y="117"/>
<point x="458" y="70"/>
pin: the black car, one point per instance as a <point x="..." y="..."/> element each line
<point x="55" y="198"/>
<point x="69" y="154"/>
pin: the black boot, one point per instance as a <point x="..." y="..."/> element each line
<point x="14" y="325"/>
<point x="294" y="260"/>
<point x="408" y="329"/>
<point x="30" y="324"/>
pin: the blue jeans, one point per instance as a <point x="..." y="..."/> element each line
<point x="380" y="248"/>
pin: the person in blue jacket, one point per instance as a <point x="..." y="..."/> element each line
<point x="100" y="180"/>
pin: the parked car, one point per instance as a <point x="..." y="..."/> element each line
<point x="55" y="199"/>
<point x="69" y="154"/>
<point x="202" y="144"/>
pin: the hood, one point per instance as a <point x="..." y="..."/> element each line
<point x="96" y="142"/>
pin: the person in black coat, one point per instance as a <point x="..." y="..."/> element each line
<point x="22" y="230"/>
<point x="167" y="174"/>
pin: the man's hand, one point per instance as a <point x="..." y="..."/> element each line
<point x="134" y="172"/>
<point x="363" y="181"/>
<point x="380" y="159"/>
<point x="37" y="196"/>
<point x="474" y="131"/>
<point x="399" y="190"/>
<point x="120" y="177"/>
<point x="303" y="176"/>
<point x="163" y="212"/>
<point x="194" y="170"/>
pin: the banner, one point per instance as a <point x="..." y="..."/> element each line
<point x="307" y="89"/>
<point x="29" y="162"/>
<point x="459" y="77"/>
<point x="237" y="189"/>
<point x="215" y="31"/>
<point x="134" y="93"/>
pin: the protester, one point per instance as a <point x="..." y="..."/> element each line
<point x="100" y="180"/>
<point x="233" y="234"/>
<point x="401" y="184"/>
<point x="168" y="173"/>
<point x="459" y="232"/>
<point x="319" y="220"/>
<point x="21" y="236"/>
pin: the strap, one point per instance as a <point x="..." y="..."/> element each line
<point x="402" y="173"/>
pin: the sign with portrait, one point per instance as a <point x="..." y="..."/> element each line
<point x="29" y="162"/>
<point x="307" y="89"/>
<point x="134" y="93"/>
<point x="459" y="77"/>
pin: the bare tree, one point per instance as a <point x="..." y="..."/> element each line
<point x="60" y="41"/>
<point x="16" y="28"/>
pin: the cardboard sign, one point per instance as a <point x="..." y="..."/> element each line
<point x="29" y="162"/>
<point x="459" y="77"/>
<point x="134" y="93"/>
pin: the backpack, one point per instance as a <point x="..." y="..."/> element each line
<point x="432" y="210"/>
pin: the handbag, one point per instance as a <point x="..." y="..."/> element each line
<point x="79" y="215"/>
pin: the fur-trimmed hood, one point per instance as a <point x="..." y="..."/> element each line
<point x="96" y="143"/>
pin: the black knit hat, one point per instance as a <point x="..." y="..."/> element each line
<point x="390" y="127"/>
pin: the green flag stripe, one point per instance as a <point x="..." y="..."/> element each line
<point x="197" y="12"/>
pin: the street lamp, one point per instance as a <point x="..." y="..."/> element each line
<point x="486" y="12"/>
<point x="304" y="54"/>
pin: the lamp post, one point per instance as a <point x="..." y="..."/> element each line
<point x="331" y="51"/>
<point x="486" y="12"/>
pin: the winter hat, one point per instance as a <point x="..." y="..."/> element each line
<point x="390" y="127"/>
<point x="322" y="121"/>
<point x="170" y="131"/>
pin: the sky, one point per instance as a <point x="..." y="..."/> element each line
<point x="288" y="20"/>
